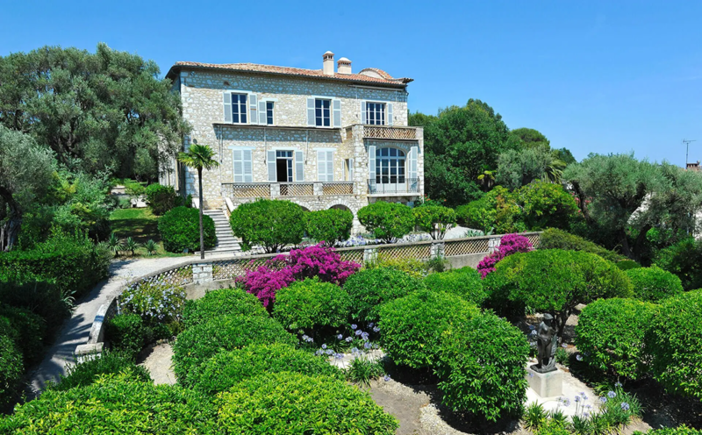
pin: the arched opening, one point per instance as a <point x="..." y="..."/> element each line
<point x="340" y="207"/>
<point x="390" y="169"/>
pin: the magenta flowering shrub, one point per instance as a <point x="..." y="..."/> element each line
<point x="283" y="270"/>
<point x="509" y="244"/>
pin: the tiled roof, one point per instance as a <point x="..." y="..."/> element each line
<point x="384" y="79"/>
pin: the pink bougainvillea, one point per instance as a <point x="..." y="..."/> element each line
<point x="283" y="270"/>
<point x="509" y="244"/>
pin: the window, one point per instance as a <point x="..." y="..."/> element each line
<point x="325" y="165"/>
<point x="284" y="166"/>
<point x="375" y="113"/>
<point x="269" y="112"/>
<point x="389" y="166"/>
<point x="322" y="112"/>
<point x="239" y="108"/>
<point x="243" y="165"/>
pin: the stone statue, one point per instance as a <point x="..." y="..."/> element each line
<point x="546" y="344"/>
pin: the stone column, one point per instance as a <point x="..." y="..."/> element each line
<point x="318" y="189"/>
<point x="437" y="249"/>
<point x="275" y="190"/>
<point x="370" y="255"/>
<point x="493" y="244"/>
<point x="202" y="273"/>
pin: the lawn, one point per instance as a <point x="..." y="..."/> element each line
<point x="141" y="225"/>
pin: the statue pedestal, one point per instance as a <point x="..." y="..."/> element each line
<point x="546" y="384"/>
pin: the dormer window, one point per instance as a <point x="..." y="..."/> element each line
<point x="375" y="113"/>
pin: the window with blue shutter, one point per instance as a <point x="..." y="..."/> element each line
<point x="242" y="165"/>
<point x="253" y="109"/>
<point x="270" y="160"/>
<point x="299" y="166"/>
<point x="336" y="106"/>
<point x="389" y="113"/>
<point x="227" y="107"/>
<point x="310" y="112"/>
<point x="325" y="165"/>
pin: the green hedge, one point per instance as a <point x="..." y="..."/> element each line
<point x="464" y="282"/>
<point x="231" y="301"/>
<point x="180" y="230"/>
<point x="610" y="336"/>
<point x="482" y="367"/>
<point x="387" y="220"/>
<point x="435" y="220"/>
<point x="280" y="403"/>
<point x="11" y="370"/>
<point x="653" y="284"/>
<point x="226" y="369"/>
<point x="311" y="304"/>
<point x="126" y="333"/>
<point x="26" y="329"/>
<point x="558" y="239"/>
<point x="413" y="325"/>
<point x="271" y="223"/>
<point x="369" y="288"/>
<point x="201" y="342"/>
<point x="110" y="362"/>
<point x="160" y="198"/>
<point x="675" y="341"/>
<point x="684" y="259"/>
<point x="40" y="297"/>
<point x="329" y="226"/>
<point x="680" y="430"/>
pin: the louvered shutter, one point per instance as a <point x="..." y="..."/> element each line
<point x="389" y="113"/>
<point x="238" y="159"/>
<point x="310" y="112"/>
<point x="371" y="163"/>
<point x="330" y="165"/>
<point x="299" y="166"/>
<point x="262" y="115"/>
<point x="248" y="166"/>
<point x="227" y="107"/>
<point x="321" y="166"/>
<point x="336" y="112"/>
<point x="271" y="167"/>
<point x="253" y="109"/>
<point x="363" y="112"/>
<point x="350" y="169"/>
<point x="413" y="165"/>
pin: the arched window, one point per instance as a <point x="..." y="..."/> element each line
<point x="389" y="166"/>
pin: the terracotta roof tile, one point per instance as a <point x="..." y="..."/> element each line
<point x="384" y="79"/>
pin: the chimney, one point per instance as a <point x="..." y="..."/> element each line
<point x="344" y="66"/>
<point x="328" y="63"/>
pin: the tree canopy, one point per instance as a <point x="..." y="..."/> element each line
<point x="517" y="168"/>
<point x="531" y="138"/>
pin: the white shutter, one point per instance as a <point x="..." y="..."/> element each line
<point x="321" y="166"/>
<point x="227" y="106"/>
<point x="350" y="169"/>
<point x="371" y="163"/>
<point x="238" y="160"/>
<point x="310" y="112"/>
<point x="253" y="105"/>
<point x="248" y="166"/>
<point x="272" y="176"/>
<point x="330" y="165"/>
<point x="389" y="113"/>
<point x="413" y="164"/>
<point x="363" y="112"/>
<point x="336" y="112"/>
<point x="299" y="166"/>
<point x="262" y="115"/>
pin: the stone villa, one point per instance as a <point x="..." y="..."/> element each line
<point x="326" y="138"/>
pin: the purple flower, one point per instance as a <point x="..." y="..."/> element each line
<point x="370" y="325"/>
<point x="612" y="394"/>
<point x="625" y="406"/>
<point x="359" y="332"/>
<point x="578" y="357"/>
<point x="386" y="378"/>
<point x="367" y="345"/>
<point x="349" y="339"/>
<point x="329" y="351"/>
<point x="340" y="336"/>
<point x="603" y="399"/>
<point x="564" y="345"/>
<point x="618" y="384"/>
<point x="376" y="329"/>
<point x="577" y="399"/>
<point x="354" y="326"/>
<point x="324" y="346"/>
<point x="354" y="350"/>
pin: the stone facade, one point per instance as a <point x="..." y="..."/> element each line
<point x="203" y="92"/>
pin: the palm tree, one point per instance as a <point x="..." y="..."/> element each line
<point x="199" y="157"/>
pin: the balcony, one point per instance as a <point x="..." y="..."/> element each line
<point x="283" y="190"/>
<point x="383" y="132"/>
<point x="394" y="186"/>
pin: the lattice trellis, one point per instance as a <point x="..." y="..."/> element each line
<point x="535" y="239"/>
<point x="337" y="188"/>
<point x="420" y="252"/>
<point x="296" y="189"/>
<point x="355" y="255"/>
<point x="247" y="190"/>
<point x="389" y="133"/>
<point x="231" y="269"/>
<point x="465" y="247"/>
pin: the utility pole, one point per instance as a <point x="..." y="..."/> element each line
<point x="687" y="149"/>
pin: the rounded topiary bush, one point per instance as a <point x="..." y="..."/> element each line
<point x="180" y="230"/>
<point x="311" y="304"/>
<point x="329" y="226"/>
<point x="86" y="372"/>
<point x="160" y="198"/>
<point x="653" y="283"/>
<point x="482" y="367"/>
<point x="674" y="341"/>
<point x="271" y="223"/>
<point x="279" y="403"/>
<point x="226" y="369"/>
<point x="228" y="301"/>
<point x="611" y="333"/>
<point x="412" y="326"/>
<point x="370" y="288"/>
<point x="464" y="282"/>
<point x="387" y="220"/>
<point x="199" y="343"/>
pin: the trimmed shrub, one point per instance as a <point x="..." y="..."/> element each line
<point x="674" y="341"/>
<point x="295" y="403"/>
<point x="155" y="303"/>
<point x="11" y="370"/>
<point x="271" y="223"/>
<point x="680" y="430"/>
<point x="412" y="325"/>
<point x="115" y="404"/>
<point x="86" y="372"/>
<point x="228" y="301"/>
<point x="40" y="297"/>
<point x="329" y="226"/>
<point x="26" y="329"/>
<point x="226" y="369"/>
<point x="160" y="198"/>
<point x="435" y="220"/>
<point x="683" y="259"/>
<point x="370" y="288"/>
<point x="558" y="239"/>
<point x="126" y="332"/>
<point x="196" y="345"/>
<point x="611" y="333"/>
<point x="387" y="220"/>
<point x="464" y="282"/>
<point x="653" y="283"/>
<point x="180" y="230"/>
<point x="627" y="265"/>
<point x="509" y="244"/>
<point x="496" y="211"/>
<point x="311" y="304"/>
<point x="411" y="266"/>
<point x="482" y="367"/>
<point x="555" y="281"/>
<point x="546" y="205"/>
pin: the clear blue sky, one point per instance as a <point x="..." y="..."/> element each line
<point x="593" y="76"/>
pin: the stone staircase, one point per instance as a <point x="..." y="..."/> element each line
<point x="226" y="242"/>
